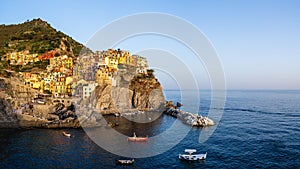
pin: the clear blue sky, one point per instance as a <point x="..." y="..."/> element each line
<point x="258" y="42"/>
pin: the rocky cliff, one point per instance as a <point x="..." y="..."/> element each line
<point x="131" y="91"/>
<point x="147" y="92"/>
<point x="17" y="110"/>
<point x="7" y="118"/>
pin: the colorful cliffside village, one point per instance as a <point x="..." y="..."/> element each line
<point x="65" y="77"/>
<point x="48" y="80"/>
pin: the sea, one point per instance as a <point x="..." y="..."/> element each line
<point x="257" y="129"/>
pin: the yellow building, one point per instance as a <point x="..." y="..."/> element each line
<point x="101" y="76"/>
<point x="13" y="58"/>
<point x="111" y="53"/>
<point x="60" y="89"/>
<point x="35" y="83"/>
<point x="45" y="86"/>
<point x="52" y="87"/>
<point x="68" y="63"/>
<point x="112" y="63"/>
<point x="21" y="58"/>
<point x="122" y="59"/>
<point x="69" y="80"/>
<point x="69" y="89"/>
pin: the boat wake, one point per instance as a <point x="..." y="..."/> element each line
<point x="260" y="112"/>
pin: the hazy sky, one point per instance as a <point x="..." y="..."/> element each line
<point x="258" y="42"/>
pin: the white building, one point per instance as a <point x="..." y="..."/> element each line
<point x="88" y="89"/>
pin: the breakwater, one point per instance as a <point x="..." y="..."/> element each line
<point x="189" y="118"/>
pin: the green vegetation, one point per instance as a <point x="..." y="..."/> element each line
<point x="37" y="36"/>
<point x="42" y="64"/>
<point x="47" y="92"/>
<point x="150" y="73"/>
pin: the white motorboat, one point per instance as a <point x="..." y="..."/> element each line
<point x="126" y="162"/>
<point x="191" y="156"/>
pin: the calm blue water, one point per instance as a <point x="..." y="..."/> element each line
<point x="259" y="129"/>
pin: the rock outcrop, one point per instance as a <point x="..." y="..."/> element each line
<point x="147" y="92"/>
<point x="186" y="117"/>
<point x="190" y="118"/>
<point x="131" y="91"/>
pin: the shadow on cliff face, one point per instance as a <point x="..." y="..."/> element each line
<point x="131" y="92"/>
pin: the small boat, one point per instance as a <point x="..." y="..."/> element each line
<point x="66" y="134"/>
<point x="191" y="156"/>
<point x="41" y="102"/>
<point x="126" y="162"/>
<point x="137" y="139"/>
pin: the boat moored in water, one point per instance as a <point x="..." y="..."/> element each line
<point x="66" y="134"/>
<point x="191" y="156"/>
<point x="126" y="162"/>
<point x="137" y="139"/>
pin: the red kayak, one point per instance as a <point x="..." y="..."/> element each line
<point x="137" y="139"/>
